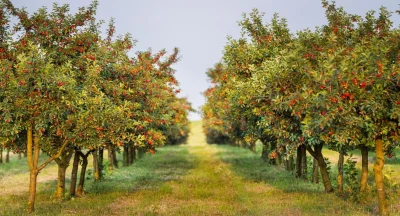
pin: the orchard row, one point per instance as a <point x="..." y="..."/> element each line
<point x="65" y="89"/>
<point x="337" y="86"/>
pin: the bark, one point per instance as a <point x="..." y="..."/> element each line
<point x="278" y="159"/>
<point x="340" y="171"/>
<point x="364" y="168"/>
<point x="304" y="162"/>
<point x="19" y="156"/>
<point x="1" y="155"/>
<point x="317" y="154"/>
<point x="264" y="153"/>
<point x="110" y="158"/>
<point x="8" y="155"/>
<point x="100" y="165"/>
<point x="33" y="151"/>
<point x="378" y="167"/>
<point x="79" y="191"/>
<point x="74" y="174"/>
<point x="115" y="160"/>
<point x="132" y="154"/>
<point x="32" y="162"/>
<point x="96" y="175"/>
<point x="315" y="177"/>
<point x="125" y="156"/>
<point x="63" y="163"/>
<point x="299" y="155"/>
<point x="291" y="163"/>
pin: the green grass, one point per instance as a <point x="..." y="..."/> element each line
<point x="193" y="179"/>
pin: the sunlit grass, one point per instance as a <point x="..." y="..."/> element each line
<point x="192" y="179"/>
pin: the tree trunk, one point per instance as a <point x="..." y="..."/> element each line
<point x="315" y="177"/>
<point x="1" y="155"/>
<point x="110" y="157"/>
<point x="8" y="155"/>
<point x="74" y="174"/>
<point x="96" y="175"/>
<point x="61" y="181"/>
<point x="299" y="160"/>
<point x="125" y="156"/>
<point x="79" y="191"/>
<point x="317" y="154"/>
<point x="364" y="168"/>
<point x="340" y="171"/>
<point x="264" y="153"/>
<point x="63" y="163"/>
<point x="19" y="156"/>
<point x="304" y="162"/>
<point x="378" y="167"/>
<point x="291" y="163"/>
<point x="32" y="162"/>
<point x="115" y="160"/>
<point x="132" y="154"/>
<point x="101" y="166"/>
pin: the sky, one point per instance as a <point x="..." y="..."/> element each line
<point x="199" y="28"/>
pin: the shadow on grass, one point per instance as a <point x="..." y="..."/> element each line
<point x="148" y="173"/>
<point x="250" y="166"/>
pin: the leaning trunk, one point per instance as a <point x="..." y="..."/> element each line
<point x="79" y="191"/>
<point x="74" y="174"/>
<point x="378" y="167"/>
<point x="364" y="168"/>
<point x="317" y="154"/>
<point x="340" y="172"/>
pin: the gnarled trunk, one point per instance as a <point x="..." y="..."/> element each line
<point x="364" y="168"/>
<point x="378" y="167"/>
<point x="74" y="173"/>
<point x="317" y="154"/>
<point x="340" y="171"/>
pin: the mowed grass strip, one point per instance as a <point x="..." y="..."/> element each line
<point x="193" y="179"/>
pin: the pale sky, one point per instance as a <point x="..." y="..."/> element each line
<point x="199" y="28"/>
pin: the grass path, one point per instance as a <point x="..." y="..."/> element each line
<point x="193" y="179"/>
<point x="213" y="188"/>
